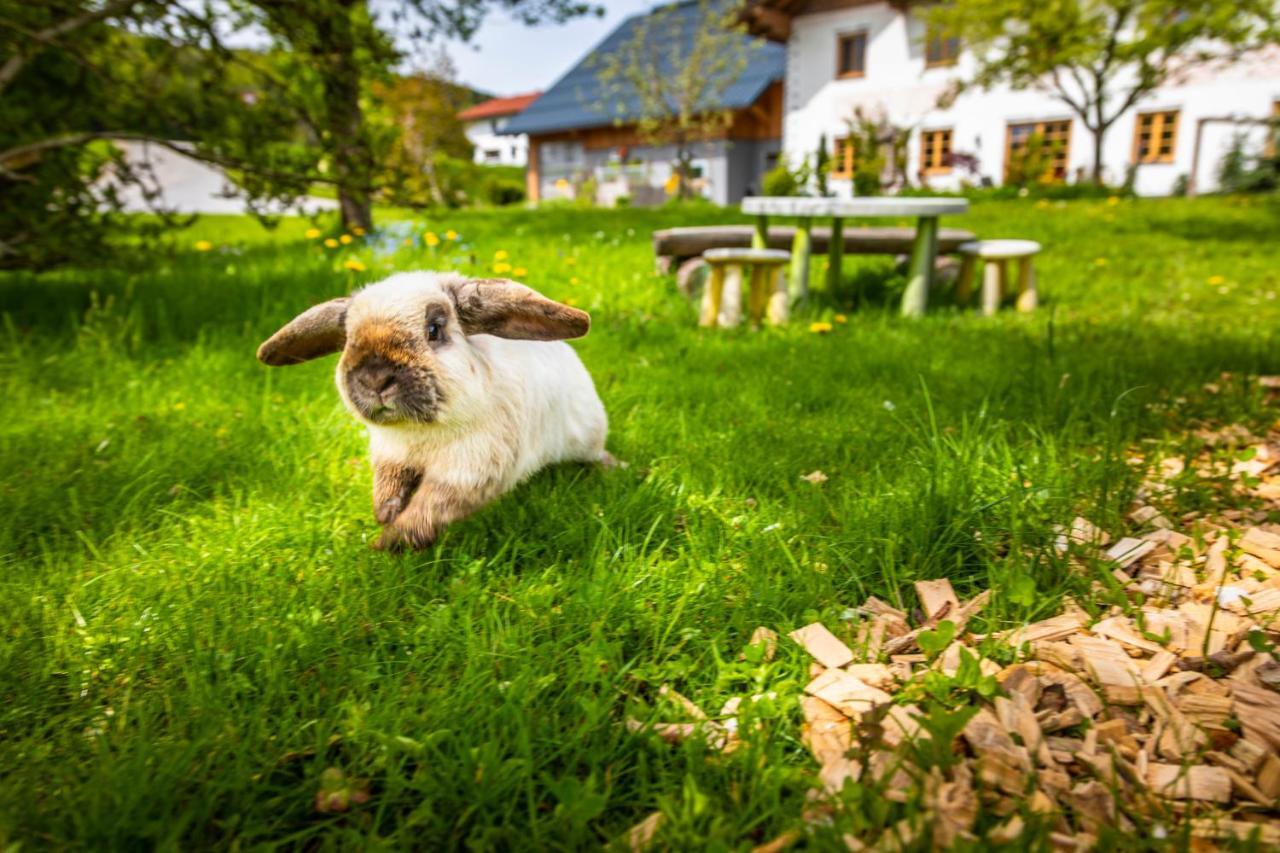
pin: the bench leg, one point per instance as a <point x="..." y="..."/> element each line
<point x="835" y="255"/>
<point x="760" y="239"/>
<point x="779" y="301"/>
<point x="915" y="299"/>
<point x="992" y="286"/>
<point x="711" y="296"/>
<point x="801" y="247"/>
<point x="756" y="284"/>
<point x="964" y="284"/>
<point x="1027" y="298"/>
<point x="731" y="300"/>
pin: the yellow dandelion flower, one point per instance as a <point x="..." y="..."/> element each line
<point x="179" y="406"/>
<point x="331" y="243"/>
<point x="358" y="231"/>
<point x="1216" y="280"/>
<point x="354" y="265"/>
<point x="501" y="267"/>
<point x="573" y="280"/>
<point x="451" y="234"/>
<point x="519" y="272"/>
<point x="1099" y="262"/>
<point x="500" y="255"/>
<point x="820" y="328"/>
<point x="312" y="233"/>
<point x="203" y="245"/>
<point x="840" y="318"/>
<point x="571" y="302"/>
<point x="431" y="239"/>
<point x="345" y="239"/>
<point x="408" y="242"/>
<point x="1113" y="200"/>
<point x="571" y="260"/>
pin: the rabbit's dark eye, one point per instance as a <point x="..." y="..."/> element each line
<point x="433" y="330"/>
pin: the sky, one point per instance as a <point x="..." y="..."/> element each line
<point x="508" y="58"/>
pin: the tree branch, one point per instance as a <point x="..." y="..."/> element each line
<point x="73" y="140"/>
<point x="14" y="64"/>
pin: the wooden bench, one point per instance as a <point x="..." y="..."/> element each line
<point x="681" y="249"/>
<point x="680" y="244"/>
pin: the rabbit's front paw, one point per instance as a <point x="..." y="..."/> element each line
<point x="397" y="539"/>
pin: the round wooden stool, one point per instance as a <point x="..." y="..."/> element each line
<point x="996" y="254"/>
<point x="730" y="268"/>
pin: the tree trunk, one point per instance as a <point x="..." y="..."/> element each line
<point x="335" y="53"/>
<point x="1098" y="136"/>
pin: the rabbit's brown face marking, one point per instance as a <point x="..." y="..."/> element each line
<point x="388" y="374"/>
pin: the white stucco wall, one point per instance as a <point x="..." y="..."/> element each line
<point x="897" y="84"/>
<point x="510" y="150"/>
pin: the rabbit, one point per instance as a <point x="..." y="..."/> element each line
<point x="465" y="385"/>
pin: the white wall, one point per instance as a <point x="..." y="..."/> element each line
<point x="509" y="150"/>
<point x="898" y="84"/>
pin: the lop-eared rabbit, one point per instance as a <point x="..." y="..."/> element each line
<point x="466" y="387"/>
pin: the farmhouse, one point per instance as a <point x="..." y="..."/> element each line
<point x="583" y="138"/>
<point x="877" y="56"/>
<point x="484" y="125"/>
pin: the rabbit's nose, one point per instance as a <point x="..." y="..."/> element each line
<point x="378" y="379"/>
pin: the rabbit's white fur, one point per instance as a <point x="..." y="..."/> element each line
<point x="507" y="408"/>
<point x="514" y="406"/>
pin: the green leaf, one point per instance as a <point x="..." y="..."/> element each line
<point x="933" y="642"/>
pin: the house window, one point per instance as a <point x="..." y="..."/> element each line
<point x="1042" y="147"/>
<point x="935" y="152"/>
<point x="842" y="159"/>
<point x="1155" y="137"/>
<point x="940" y="51"/>
<point x="851" y="54"/>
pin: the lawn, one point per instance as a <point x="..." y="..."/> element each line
<point x="196" y="637"/>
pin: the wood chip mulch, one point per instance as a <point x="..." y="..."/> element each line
<point x="1162" y="716"/>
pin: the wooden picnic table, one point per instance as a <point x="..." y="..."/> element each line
<point x="924" y="250"/>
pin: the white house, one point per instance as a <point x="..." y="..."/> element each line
<point x="876" y="55"/>
<point x="484" y="123"/>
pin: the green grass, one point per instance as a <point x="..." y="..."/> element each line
<point x="193" y="628"/>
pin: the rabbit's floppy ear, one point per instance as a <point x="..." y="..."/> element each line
<point x="315" y="332"/>
<point x="497" y="306"/>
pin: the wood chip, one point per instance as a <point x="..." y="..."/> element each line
<point x="1128" y="551"/>
<point x="1199" y="782"/>
<point x="934" y="595"/>
<point x="766" y="637"/>
<point x="823" y="645"/>
<point x="850" y="695"/>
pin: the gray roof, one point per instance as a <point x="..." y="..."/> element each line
<point x="580" y="100"/>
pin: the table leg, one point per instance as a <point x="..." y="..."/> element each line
<point x="835" y="255"/>
<point x="915" y="300"/>
<point x="760" y="239"/>
<point x="1027" y="299"/>
<point x="801" y="247"/>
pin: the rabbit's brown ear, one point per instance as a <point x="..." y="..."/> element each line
<point x="497" y="306"/>
<point x="318" y="331"/>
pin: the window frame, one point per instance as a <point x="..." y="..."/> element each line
<point x="851" y="35"/>
<point x="842" y="158"/>
<point x="1039" y="126"/>
<point x="1159" y="119"/>
<point x="928" y="149"/>
<point x="944" y="60"/>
